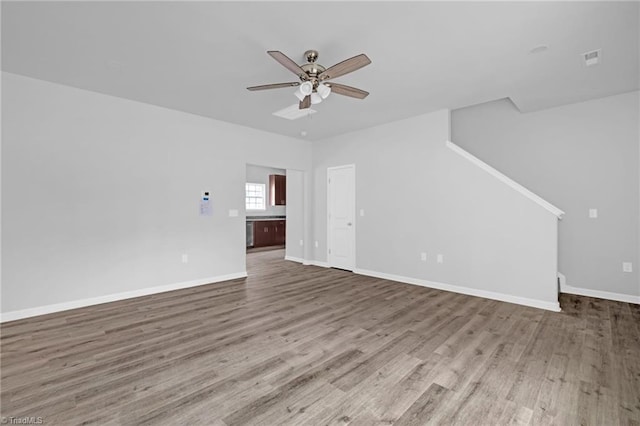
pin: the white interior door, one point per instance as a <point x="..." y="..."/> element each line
<point x="341" y="206"/>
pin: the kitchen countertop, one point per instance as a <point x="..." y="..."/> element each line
<point x="254" y="218"/>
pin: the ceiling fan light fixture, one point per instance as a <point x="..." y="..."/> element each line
<point x="315" y="98"/>
<point x="304" y="90"/>
<point x="323" y="90"/>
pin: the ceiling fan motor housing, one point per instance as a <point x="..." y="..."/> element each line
<point x="311" y="68"/>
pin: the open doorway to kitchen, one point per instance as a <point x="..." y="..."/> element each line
<point x="266" y="208"/>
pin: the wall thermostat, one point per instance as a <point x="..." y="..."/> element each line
<point x="206" y="206"/>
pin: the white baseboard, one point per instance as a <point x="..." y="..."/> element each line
<point x="550" y="306"/>
<point x="562" y="281"/>
<point x="58" y="307"/>
<point x="307" y="262"/>
<point x="618" y="297"/>
<point x="580" y="291"/>
<point x="316" y="263"/>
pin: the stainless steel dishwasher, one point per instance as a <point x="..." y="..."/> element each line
<point x="249" y="233"/>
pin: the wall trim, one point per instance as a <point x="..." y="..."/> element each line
<point x="581" y="291"/>
<point x="316" y="263"/>
<point x="307" y="262"/>
<point x="540" y="304"/>
<point x="65" y="306"/>
<point x="599" y="294"/>
<point x="504" y="179"/>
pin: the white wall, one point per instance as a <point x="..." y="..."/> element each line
<point x="295" y="215"/>
<point x="260" y="174"/>
<point x="100" y="197"/>
<point x="578" y="157"/>
<point x="419" y="196"/>
<point x="100" y="194"/>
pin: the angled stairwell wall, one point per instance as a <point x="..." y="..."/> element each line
<point x="581" y="156"/>
<point x="421" y="194"/>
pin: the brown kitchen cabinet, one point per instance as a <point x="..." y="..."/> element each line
<point x="263" y="233"/>
<point x="269" y="233"/>
<point x="280" y="232"/>
<point x="278" y="190"/>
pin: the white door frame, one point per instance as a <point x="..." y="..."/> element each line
<point x="353" y="233"/>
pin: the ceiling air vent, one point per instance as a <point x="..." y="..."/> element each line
<point x="592" y="58"/>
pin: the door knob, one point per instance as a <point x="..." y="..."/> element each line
<point x="348" y="223"/>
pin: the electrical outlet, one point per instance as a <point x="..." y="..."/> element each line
<point x="440" y="258"/>
<point x="301" y="242"/>
<point x="627" y="267"/>
<point x="316" y="244"/>
<point x="423" y="257"/>
<point x="185" y="258"/>
<point x="593" y="213"/>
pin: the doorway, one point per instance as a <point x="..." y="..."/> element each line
<point x="341" y="207"/>
<point x="275" y="214"/>
<point x="266" y="208"/>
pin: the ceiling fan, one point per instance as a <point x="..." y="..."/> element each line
<point x="313" y="86"/>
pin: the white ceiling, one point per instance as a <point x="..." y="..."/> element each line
<point x="199" y="57"/>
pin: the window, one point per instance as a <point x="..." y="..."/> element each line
<point x="255" y="195"/>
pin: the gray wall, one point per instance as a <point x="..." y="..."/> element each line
<point x="578" y="157"/>
<point x="260" y="174"/>
<point x="100" y="194"/>
<point x="295" y="215"/>
<point x="419" y="196"/>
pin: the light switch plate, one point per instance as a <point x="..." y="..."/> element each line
<point x="593" y="213"/>
<point x="440" y="258"/>
<point x="423" y="257"/>
<point x="627" y="267"/>
<point x="361" y="212"/>
<point x="233" y="213"/>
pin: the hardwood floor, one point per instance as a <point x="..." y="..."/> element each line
<point x="268" y="248"/>
<point x="304" y="345"/>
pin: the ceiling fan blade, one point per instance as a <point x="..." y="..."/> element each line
<point x="352" y="92"/>
<point x="305" y="103"/>
<point x="345" y="67"/>
<point x="286" y="62"/>
<point x="274" y="86"/>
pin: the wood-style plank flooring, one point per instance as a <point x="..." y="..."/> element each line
<point x="303" y="345"/>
